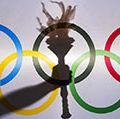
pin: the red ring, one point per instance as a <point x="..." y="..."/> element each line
<point x="107" y="59"/>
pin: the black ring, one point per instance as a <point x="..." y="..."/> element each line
<point x="81" y="32"/>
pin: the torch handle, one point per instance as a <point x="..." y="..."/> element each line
<point x="62" y="72"/>
<point x="64" y="93"/>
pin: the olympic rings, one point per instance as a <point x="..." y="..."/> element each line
<point x="107" y="60"/>
<point x="75" y="94"/>
<point x="18" y="46"/>
<point x="46" y="104"/>
<point x="81" y="32"/>
<point x="75" y="65"/>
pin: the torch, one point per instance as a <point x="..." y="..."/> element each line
<point x="60" y="43"/>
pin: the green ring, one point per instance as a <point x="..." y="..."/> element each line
<point x="75" y="94"/>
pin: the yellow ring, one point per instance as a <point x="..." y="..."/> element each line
<point x="46" y="104"/>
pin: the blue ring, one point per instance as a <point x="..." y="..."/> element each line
<point x="18" y="46"/>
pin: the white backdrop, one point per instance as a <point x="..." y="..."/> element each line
<point x="99" y="18"/>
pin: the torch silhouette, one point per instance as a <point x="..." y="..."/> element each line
<point x="60" y="43"/>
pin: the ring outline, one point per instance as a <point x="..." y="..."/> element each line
<point x="81" y="32"/>
<point x="44" y="105"/>
<point x="18" y="46"/>
<point x="107" y="59"/>
<point x="75" y="94"/>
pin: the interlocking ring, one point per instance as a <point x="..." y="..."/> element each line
<point x="84" y="35"/>
<point x="19" y="53"/>
<point x="42" y="107"/>
<point x="74" y="92"/>
<point x="108" y="45"/>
